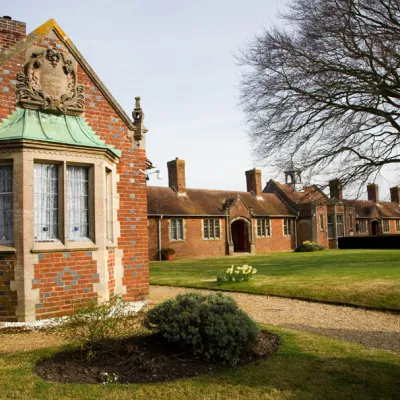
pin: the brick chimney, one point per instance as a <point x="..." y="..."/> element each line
<point x="335" y="189"/>
<point x="176" y="175"/>
<point x="11" y="32"/>
<point x="253" y="180"/>
<point x="395" y="194"/>
<point x="373" y="192"/>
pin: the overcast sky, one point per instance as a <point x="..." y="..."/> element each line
<point x="179" y="57"/>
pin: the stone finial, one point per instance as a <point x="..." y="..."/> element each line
<point x="138" y="118"/>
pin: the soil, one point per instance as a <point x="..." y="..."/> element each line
<point x="141" y="359"/>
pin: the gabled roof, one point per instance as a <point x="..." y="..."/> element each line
<point x="369" y="209"/>
<point x="42" y="31"/>
<point x="202" y="202"/>
<point x="309" y="194"/>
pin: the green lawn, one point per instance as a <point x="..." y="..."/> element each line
<point x="307" y="367"/>
<point x="368" y="278"/>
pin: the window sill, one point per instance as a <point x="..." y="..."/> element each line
<point x="54" y="247"/>
<point x="211" y="239"/>
<point x="7" y="248"/>
<point x="111" y="245"/>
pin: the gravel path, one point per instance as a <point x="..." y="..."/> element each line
<point x="371" y="328"/>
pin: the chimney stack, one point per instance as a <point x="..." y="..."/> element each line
<point x="395" y="194"/>
<point x="253" y="180"/>
<point x="11" y="32"/>
<point x="335" y="189"/>
<point x="176" y="175"/>
<point x="373" y="192"/>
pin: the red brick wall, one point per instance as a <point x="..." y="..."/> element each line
<point x="277" y="241"/>
<point x="111" y="275"/>
<point x="8" y="297"/>
<point x="193" y="244"/>
<point x="64" y="280"/>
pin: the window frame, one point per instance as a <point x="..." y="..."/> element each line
<point x="63" y="239"/>
<point x="339" y="231"/>
<point x="216" y="228"/>
<point x="362" y="226"/>
<point x="10" y="210"/>
<point x="263" y="227"/>
<point x="287" y="227"/>
<point x="386" y="224"/>
<point x="173" y="224"/>
<point x="397" y="225"/>
<point x="330" y="226"/>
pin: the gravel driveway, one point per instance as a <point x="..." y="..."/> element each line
<point x="371" y="328"/>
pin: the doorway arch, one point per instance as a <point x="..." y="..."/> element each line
<point x="240" y="236"/>
<point x="375" y="228"/>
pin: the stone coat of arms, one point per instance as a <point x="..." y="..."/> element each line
<point x="50" y="83"/>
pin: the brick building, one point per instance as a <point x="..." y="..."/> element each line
<point x="73" y="223"/>
<point x="324" y="219"/>
<point x="213" y="223"/>
<point x="202" y="223"/>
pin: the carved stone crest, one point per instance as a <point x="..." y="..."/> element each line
<point x="50" y="83"/>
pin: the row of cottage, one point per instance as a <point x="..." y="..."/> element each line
<point x="206" y="223"/>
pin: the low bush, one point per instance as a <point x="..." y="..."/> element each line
<point x="308" y="246"/>
<point x="236" y="274"/>
<point x="211" y="326"/>
<point x="95" y="326"/>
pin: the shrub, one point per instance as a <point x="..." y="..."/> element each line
<point x="211" y="326"/>
<point x="94" y="326"/>
<point x="308" y="246"/>
<point x="236" y="274"/>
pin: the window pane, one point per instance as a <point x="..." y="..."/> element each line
<point x="77" y="203"/>
<point x="45" y="202"/>
<point x="339" y="225"/>
<point x="6" y="204"/>
<point x="398" y="225"/>
<point x="205" y="229"/>
<point x="179" y="229"/>
<point x="217" y="229"/>
<point x="268" y="227"/>
<point x="173" y="229"/>
<point x="258" y="227"/>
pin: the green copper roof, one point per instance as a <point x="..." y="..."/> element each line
<point x="65" y="129"/>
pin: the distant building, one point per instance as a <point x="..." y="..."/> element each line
<point x="213" y="223"/>
<point x="73" y="223"/>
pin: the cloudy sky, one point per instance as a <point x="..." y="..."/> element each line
<point x="179" y="57"/>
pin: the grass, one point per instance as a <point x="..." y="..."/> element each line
<point x="307" y="366"/>
<point x="367" y="278"/>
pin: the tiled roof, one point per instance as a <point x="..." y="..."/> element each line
<point x="309" y="194"/>
<point x="165" y="201"/>
<point x="368" y="209"/>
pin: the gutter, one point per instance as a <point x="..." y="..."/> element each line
<point x="159" y="237"/>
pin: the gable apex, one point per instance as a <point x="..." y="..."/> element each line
<point x="45" y="29"/>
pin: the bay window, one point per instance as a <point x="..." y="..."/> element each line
<point x="51" y="215"/>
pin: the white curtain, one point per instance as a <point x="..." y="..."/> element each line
<point x="45" y="202"/>
<point x="77" y="203"/>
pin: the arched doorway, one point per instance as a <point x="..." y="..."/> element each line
<point x="240" y="236"/>
<point x="375" y="228"/>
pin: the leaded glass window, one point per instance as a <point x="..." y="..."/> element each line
<point x="211" y="228"/>
<point x="263" y="227"/>
<point x="45" y="202"/>
<point x="386" y="225"/>
<point x="176" y="229"/>
<point x="339" y="225"/>
<point x="287" y="227"/>
<point x="77" y="203"/>
<point x="6" y="204"/>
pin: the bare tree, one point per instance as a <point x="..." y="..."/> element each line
<point x="325" y="91"/>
